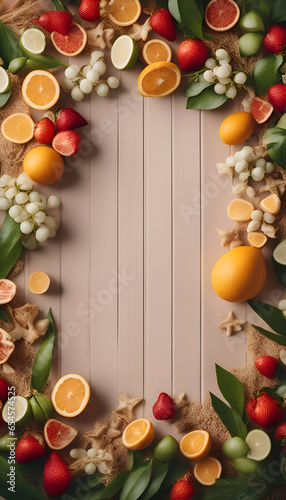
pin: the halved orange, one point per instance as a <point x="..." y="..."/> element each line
<point x="40" y="89"/>
<point x="207" y="471"/>
<point x="124" y="12"/>
<point x="195" y="445"/>
<point x="221" y="15"/>
<point x="159" y="79"/>
<point x="156" y="50"/>
<point x="139" y="434"/>
<point x="18" y="128"/>
<point x="70" y="395"/>
<point x="71" y="44"/>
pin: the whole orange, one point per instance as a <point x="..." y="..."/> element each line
<point x="239" y="274"/>
<point x="237" y="128"/>
<point x="43" y="165"/>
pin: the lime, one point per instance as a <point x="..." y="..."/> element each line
<point x="7" y="440"/>
<point x="124" y="52"/>
<point x="5" y="82"/>
<point x="279" y="261"/>
<point x="17" y="411"/>
<point x="32" y="42"/>
<point x="16" y="65"/>
<point x="259" y="443"/>
<point x="250" y="43"/>
<point x="42" y="408"/>
<point x="246" y="466"/>
<point x="166" y="449"/>
<point x="251" y="21"/>
<point x="235" y="447"/>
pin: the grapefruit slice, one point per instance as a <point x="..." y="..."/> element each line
<point x="71" y="44"/>
<point x="7" y="291"/>
<point x="6" y="346"/>
<point x="221" y="15"/>
<point x="261" y="110"/>
<point x="58" y="435"/>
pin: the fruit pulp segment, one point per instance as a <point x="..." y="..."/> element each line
<point x="70" y="395"/>
<point x="40" y="89"/>
<point x="221" y="13"/>
<point x="136" y="431"/>
<point x="159" y="81"/>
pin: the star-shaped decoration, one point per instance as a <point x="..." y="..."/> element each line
<point x="99" y="36"/>
<point x="230" y="324"/>
<point x="141" y="31"/>
<point x="275" y="186"/>
<point x="124" y="402"/>
<point x="230" y="238"/>
<point x="224" y="169"/>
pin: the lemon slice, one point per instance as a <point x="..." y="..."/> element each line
<point x="5" y="82"/>
<point x="32" y="42"/>
<point x="259" y="443"/>
<point x="124" y="52"/>
<point x="17" y="411"/>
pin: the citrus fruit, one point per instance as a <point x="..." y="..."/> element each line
<point x="7" y="291"/>
<point x="42" y="408"/>
<point x="19" y="411"/>
<point x="195" y="445"/>
<point x="259" y="443"/>
<point x="139" y="434"/>
<point x="221" y="15"/>
<point x="159" y="79"/>
<point x="39" y="282"/>
<point x="16" y="64"/>
<point x="250" y="43"/>
<point x="43" y="165"/>
<point x="240" y="210"/>
<point x="40" y="89"/>
<point x="5" y="82"/>
<point x="71" y="44"/>
<point x="124" y="52"/>
<point x="207" y="471"/>
<point x="32" y="42"/>
<point x="251" y="21"/>
<point x="256" y="239"/>
<point x="58" y="435"/>
<point x="235" y="447"/>
<point x="156" y="50"/>
<point x="237" y="128"/>
<point x="271" y="204"/>
<point x="5" y="441"/>
<point x="70" y="395"/>
<point x="125" y="12"/>
<point x="18" y="128"/>
<point x="261" y="110"/>
<point x="279" y="261"/>
<point x="246" y="466"/>
<point x="6" y="346"/>
<point x="166" y="449"/>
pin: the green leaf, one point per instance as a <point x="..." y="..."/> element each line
<point x="234" y="488"/>
<point x="176" y="470"/>
<point x="44" y="62"/>
<point x="9" y="44"/>
<point x="10" y="246"/>
<point x="134" y="458"/>
<point x="207" y="99"/>
<point x="266" y="73"/>
<point x="137" y="482"/>
<point x="156" y="482"/>
<point x="4" y="98"/>
<point x="231" y="389"/>
<point x="277" y="11"/>
<point x="174" y="9"/>
<point x="232" y="421"/>
<point x="275" y="141"/>
<point x="163" y="3"/>
<point x="279" y="339"/>
<point x="21" y="485"/>
<point x="4" y="316"/>
<point x="43" y="360"/>
<point x="271" y="315"/>
<point x="271" y="392"/>
<point x="196" y="88"/>
<point x="115" y="485"/>
<point x="191" y="17"/>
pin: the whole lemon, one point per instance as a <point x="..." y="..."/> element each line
<point x="43" y="165"/>
<point x="237" y="128"/>
<point x="239" y="274"/>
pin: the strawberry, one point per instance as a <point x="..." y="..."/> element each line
<point x="4" y="389"/>
<point x="182" y="490"/>
<point x="28" y="449"/>
<point x="89" y="10"/>
<point x="67" y="142"/>
<point x="163" y="23"/>
<point x="192" y="54"/>
<point x="264" y="410"/>
<point x="44" y="131"/>
<point x="164" y="408"/>
<point x="277" y="96"/>
<point x="69" y="119"/>
<point x="266" y="365"/>
<point x="275" y="39"/>
<point x="56" y="475"/>
<point x="280" y="433"/>
<point x="55" y="20"/>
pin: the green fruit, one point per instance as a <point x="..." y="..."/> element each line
<point x="7" y="440"/>
<point x="246" y="466"/>
<point x="17" y="411"/>
<point x="16" y="65"/>
<point x="235" y="447"/>
<point x="281" y="389"/>
<point x="251" y="21"/>
<point x="42" y="408"/>
<point x="124" y="52"/>
<point x="259" y="443"/>
<point x="5" y="82"/>
<point x="166" y="449"/>
<point x="279" y="260"/>
<point x="250" y="43"/>
<point x="282" y="122"/>
<point x="32" y="42"/>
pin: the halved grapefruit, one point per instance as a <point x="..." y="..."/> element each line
<point x="6" y="346"/>
<point x="71" y="44"/>
<point x="58" y="435"/>
<point x="261" y="110"/>
<point x="221" y="15"/>
<point x="7" y="291"/>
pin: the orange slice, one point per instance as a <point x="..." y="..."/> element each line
<point x="58" y="435"/>
<point x="71" y="44"/>
<point x="70" y="395"/>
<point x="18" y="128"/>
<point x="139" y="434"/>
<point x="156" y="50"/>
<point x="125" y="12"/>
<point x="271" y="204"/>
<point x="221" y="15"/>
<point x="195" y="445"/>
<point x="7" y="290"/>
<point x="207" y="471"/>
<point x="240" y="210"/>
<point x="40" y="89"/>
<point x="256" y="239"/>
<point x="159" y="79"/>
<point x="39" y="282"/>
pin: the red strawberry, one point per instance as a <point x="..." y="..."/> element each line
<point x="69" y="119"/>
<point x="277" y="96"/>
<point x="89" y="10"/>
<point x="264" y="410"/>
<point x="182" y="490"/>
<point x="28" y="449"/>
<point x="4" y="389"/>
<point x="55" y="20"/>
<point x="275" y="39"/>
<point x="164" y="408"/>
<point x="163" y="23"/>
<point x="266" y="365"/>
<point x="192" y="54"/>
<point x="56" y="475"/>
<point x="280" y="433"/>
<point x="44" y="131"/>
<point x="67" y="142"/>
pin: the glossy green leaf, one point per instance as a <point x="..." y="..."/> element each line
<point x="232" y="421"/>
<point x="21" y="485"/>
<point x="156" y="482"/>
<point x="137" y="482"/>
<point x="266" y="73"/>
<point x="44" y="62"/>
<point x="271" y="315"/>
<point x="207" y="99"/>
<point x="43" y="360"/>
<point x="4" y="98"/>
<point x="10" y="246"/>
<point x="196" y="88"/>
<point x="234" y="488"/>
<point x="174" y="9"/>
<point x="277" y="11"/>
<point x="134" y="458"/>
<point x="115" y="485"/>
<point x="275" y="141"/>
<point x="231" y="389"/>
<point x="4" y="316"/>
<point x="191" y="17"/>
<point x="176" y="470"/>
<point x="9" y="44"/>
<point x="279" y="339"/>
